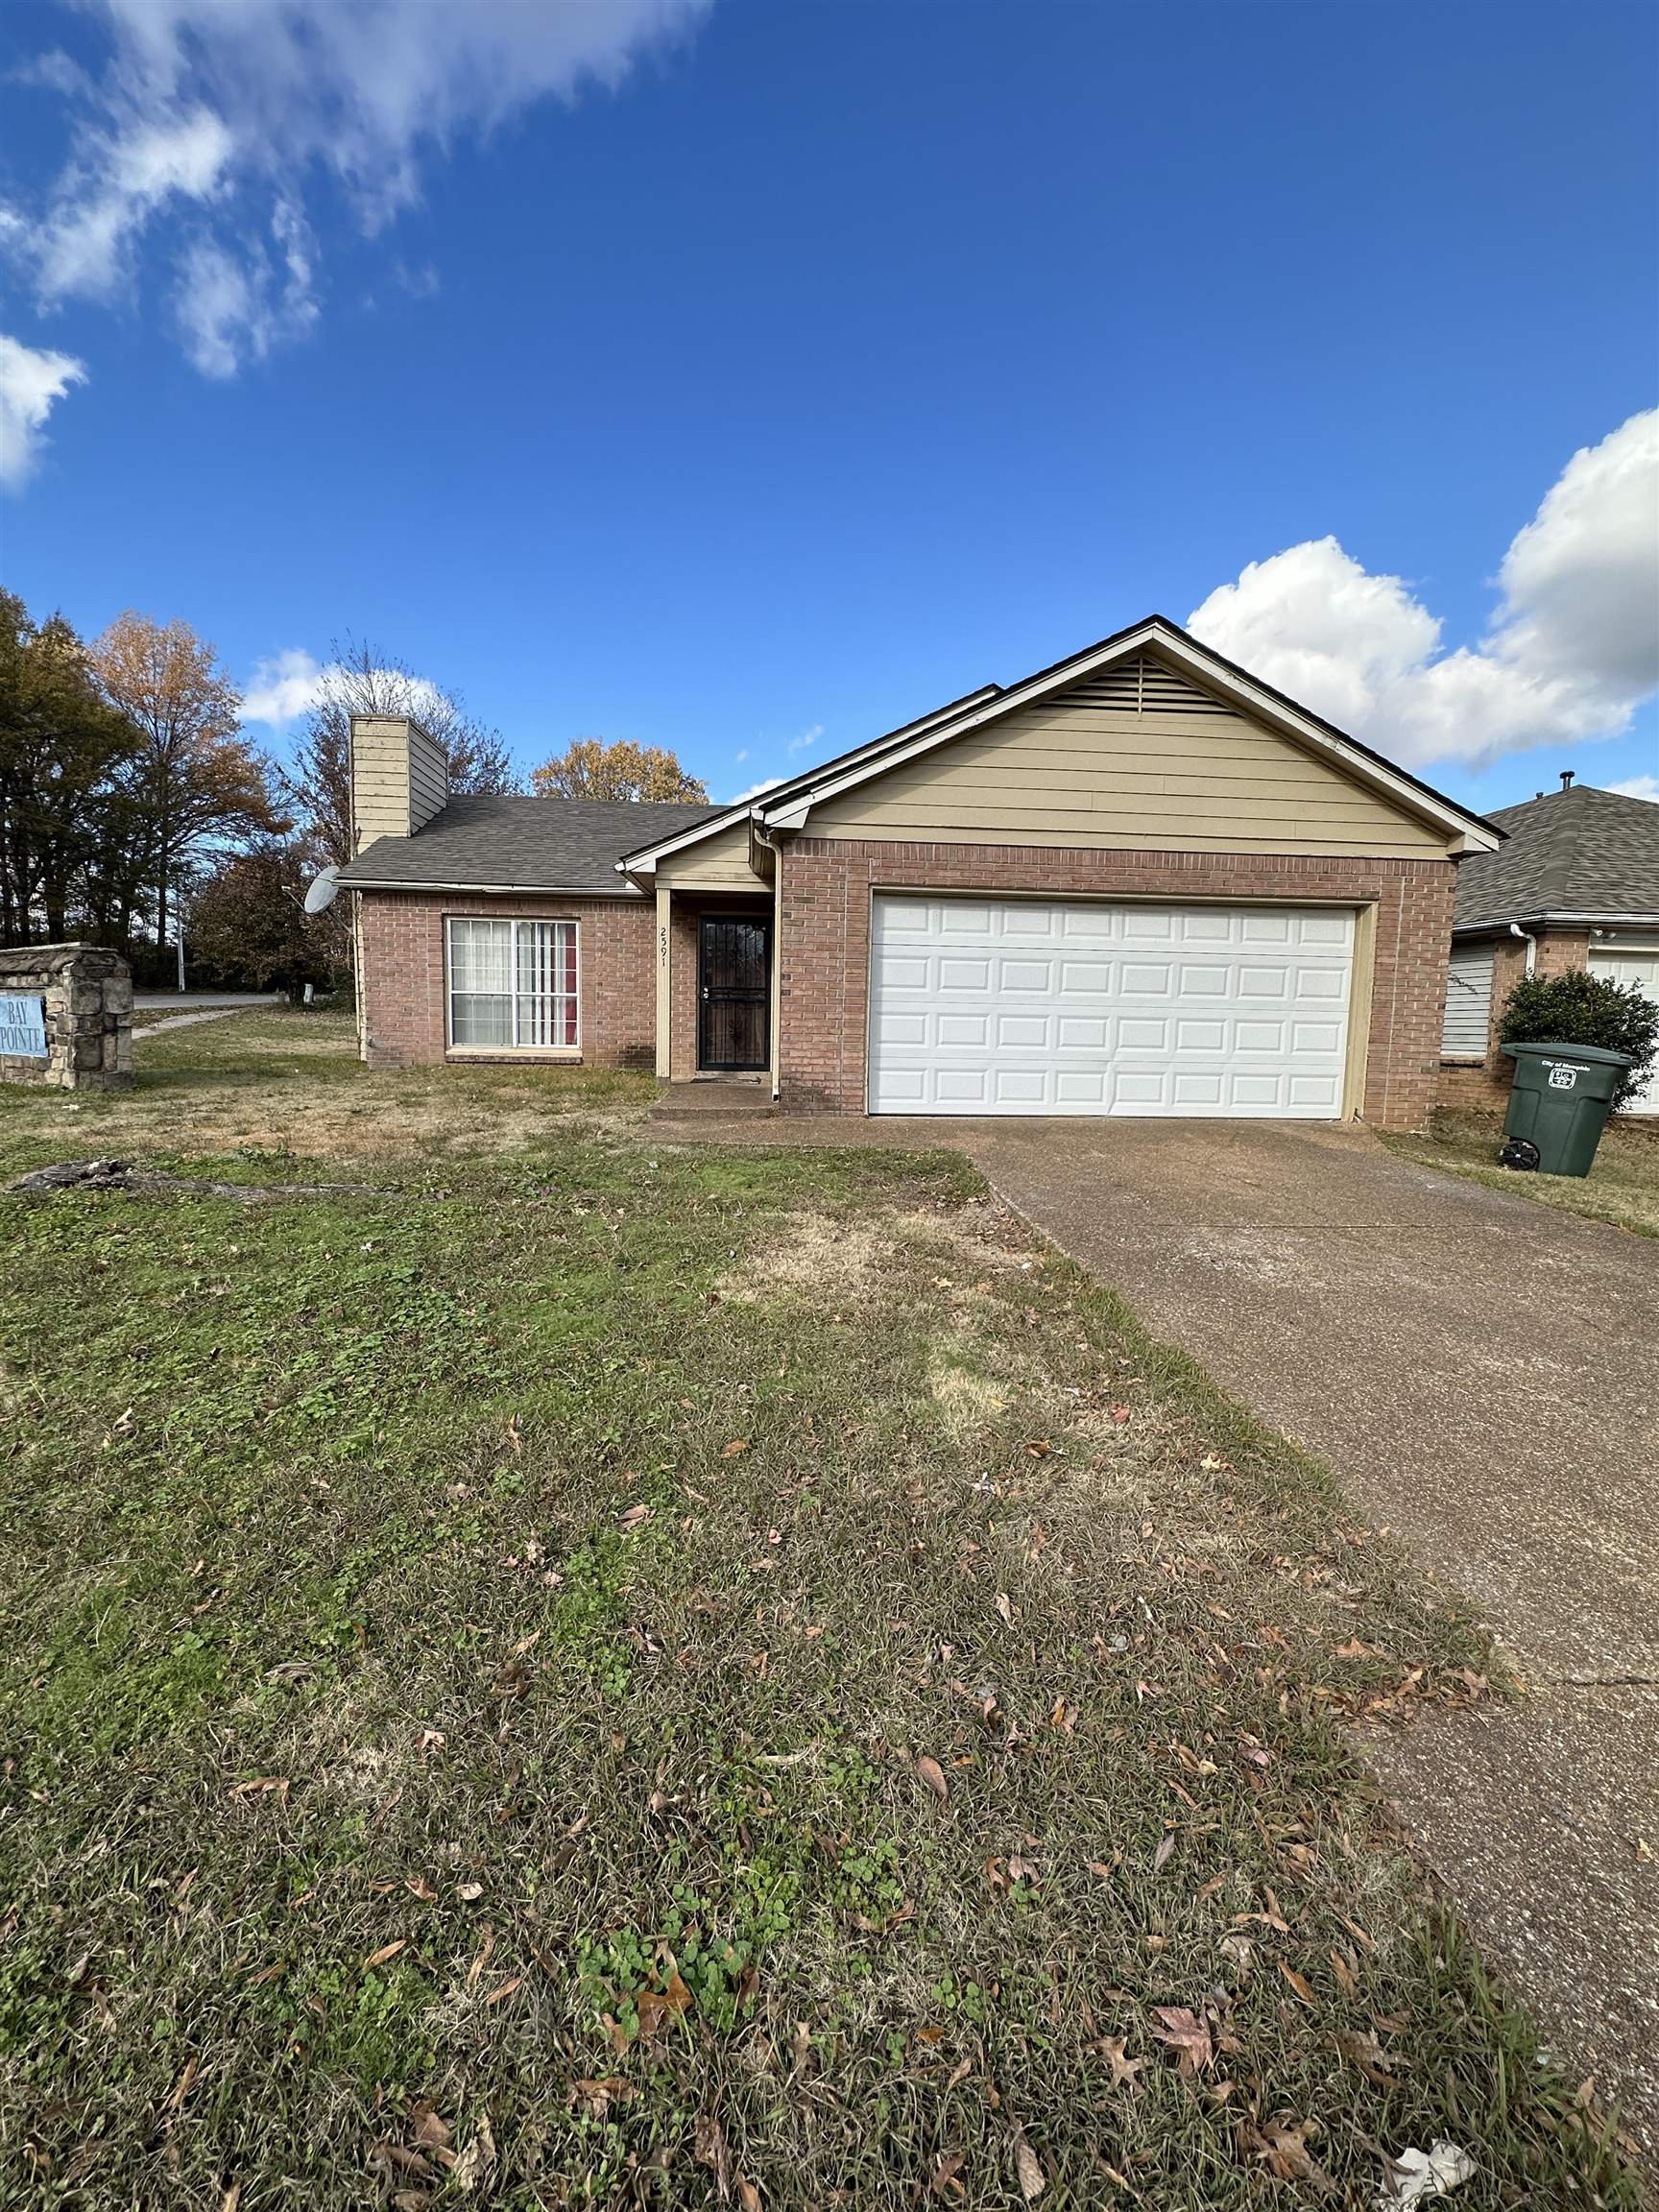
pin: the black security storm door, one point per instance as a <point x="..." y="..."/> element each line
<point x="734" y="993"/>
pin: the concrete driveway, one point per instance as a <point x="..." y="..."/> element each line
<point x="1483" y="1374"/>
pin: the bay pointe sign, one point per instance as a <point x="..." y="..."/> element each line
<point x="23" y="1027"/>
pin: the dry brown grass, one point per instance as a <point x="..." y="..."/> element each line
<point x="285" y="1080"/>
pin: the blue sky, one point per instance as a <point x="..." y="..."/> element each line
<point x="750" y="377"/>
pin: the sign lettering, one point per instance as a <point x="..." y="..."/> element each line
<point x="23" y="1027"/>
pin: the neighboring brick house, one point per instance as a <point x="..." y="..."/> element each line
<point x="1576" y="884"/>
<point x="1139" y="882"/>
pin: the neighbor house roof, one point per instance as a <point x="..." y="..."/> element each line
<point x="559" y="845"/>
<point x="1579" y="855"/>
<point x="786" y="805"/>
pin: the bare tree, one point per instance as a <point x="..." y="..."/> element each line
<point x="361" y="679"/>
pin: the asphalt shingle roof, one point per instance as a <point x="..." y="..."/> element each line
<point x="523" y="844"/>
<point x="1580" y="850"/>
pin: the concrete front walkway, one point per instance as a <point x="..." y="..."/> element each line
<point x="1483" y="1374"/>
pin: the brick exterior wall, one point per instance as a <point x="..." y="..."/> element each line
<point x="403" y="979"/>
<point x="1483" y="1086"/>
<point x="825" y="951"/>
<point x="687" y="911"/>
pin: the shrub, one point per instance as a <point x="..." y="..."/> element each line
<point x="1578" y="1008"/>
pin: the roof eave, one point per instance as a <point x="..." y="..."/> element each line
<point x="789" y="809"/>
<point x="1554" y="918"/>
<point x="492" y="890"/>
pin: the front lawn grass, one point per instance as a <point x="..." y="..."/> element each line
<point x="606" y="1674"/>
<point x="1622" y="1187"/>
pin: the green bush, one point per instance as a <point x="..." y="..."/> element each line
<point x="1578" y="1008"/>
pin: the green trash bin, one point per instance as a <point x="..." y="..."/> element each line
<point x="1562" y="1097"/>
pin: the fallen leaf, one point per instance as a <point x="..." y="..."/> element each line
<point x="933" y="1774"/>
<point x="634" y="1515"/>
<point x="1282" y="2147"/>
<point x="1362" y="2050"/>
<point x="670" y="2003"/>
<point x="1027" y="2169"/>
<point x="737" y="1444"/>
<point x="386" y="1950"/>
<point x="1239" y="1948"/>
<point x="945" y="2173"/>
<point x="1162" y="1856"/>
<point x="499" y="1995"/>
<point x="1124" y="2069"/>
<point x="473" y="2164"/>
<point x="600" y="2096"/>
<point x="1300" y="1984"/>
<point x="430" y="2133"/>
<point x="1186" y="2035"/>
<point x="709" y="2149"/>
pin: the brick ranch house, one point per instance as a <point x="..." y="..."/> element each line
<point x="1139" y="882"/>
<point x="1575" y="885"/>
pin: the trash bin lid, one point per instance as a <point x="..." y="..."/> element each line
<point x="1594" y="1055"/>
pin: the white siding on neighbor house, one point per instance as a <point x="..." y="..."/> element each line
<point x="1135" y="758"/>
<point x="1072" y="1007"/>
<point x="1468" y="1004"/>
<point x="1638" y="965"/>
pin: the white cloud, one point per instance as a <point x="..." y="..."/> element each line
<point x="1573" y="648"/>
<point x="806" y="737"/>
<point x="282" y="688"/>
<point x="120" y="179"/>
<point x="755" y="790"/>
<point x="232" y="309"/>
<point x="286" y="685"/>
<point x="219" y="111"/>
<point x="30" y="385"/>
<point x="1637" y="787"/>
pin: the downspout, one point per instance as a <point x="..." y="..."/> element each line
<point x="1530" y="943"/>
<point x="776" y="1010"/>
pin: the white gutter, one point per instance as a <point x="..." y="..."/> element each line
<point x="777" y="978"/>
<point x="1530" y="942"/>
<point x="493" y="890"/>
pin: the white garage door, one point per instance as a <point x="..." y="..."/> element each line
<point x="1642" y="969"/>
<point x="1020" y="1006"/>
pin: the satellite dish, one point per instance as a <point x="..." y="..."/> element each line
<point x="324" y="890"/>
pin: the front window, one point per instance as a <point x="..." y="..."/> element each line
<point x="511" y="984"/>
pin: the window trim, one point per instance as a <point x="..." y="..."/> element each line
<point x="514" y="1050"/>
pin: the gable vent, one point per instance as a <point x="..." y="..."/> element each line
<point x="1143" y="687"/>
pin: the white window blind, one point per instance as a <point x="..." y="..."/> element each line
<point x="511" y="984"/>
<point x="1468" y="1004"/>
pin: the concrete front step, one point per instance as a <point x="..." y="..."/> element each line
<point x="714" y="1100"/>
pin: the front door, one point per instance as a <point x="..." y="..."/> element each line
<point x="734" y="993"/>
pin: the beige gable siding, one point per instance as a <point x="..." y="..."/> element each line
<point x="379" y="780"/>
<point x="1089" y="768"/>
<point x="428" y="779"/>
<point x="399" y="778"/>
<point x="719" y="863"/>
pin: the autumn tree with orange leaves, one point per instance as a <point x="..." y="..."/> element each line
<point x="196" y="782"/>
<point x="590" y="769"/>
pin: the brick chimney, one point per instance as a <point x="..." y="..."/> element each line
<point x="399" y="778"/>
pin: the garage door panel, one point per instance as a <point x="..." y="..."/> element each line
<point x="1630" y="965"/>
<point x="1246" y="1014"/>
